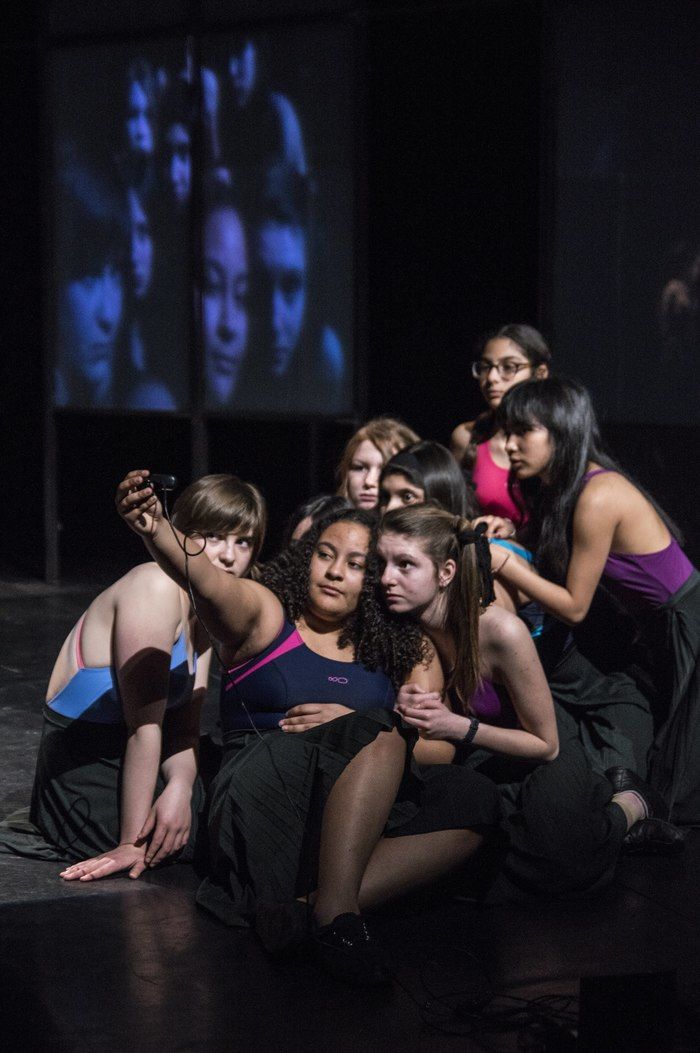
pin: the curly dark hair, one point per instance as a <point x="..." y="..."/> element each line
<point x="379" y="639"/>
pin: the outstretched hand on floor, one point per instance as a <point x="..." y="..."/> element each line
<point x="121" y="857"/>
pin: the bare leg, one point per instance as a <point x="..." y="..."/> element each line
<point x="353" y="820"/>
<point x="401" y="864"/>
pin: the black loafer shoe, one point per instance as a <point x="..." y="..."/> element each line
<point x="347" y="951"/>
<point x="654" y="837"/>
<point x="623" y="779"/>
<point x="282" y="927"/>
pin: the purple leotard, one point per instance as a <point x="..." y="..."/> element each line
<point x="493" y="706"/>
<point x="654" y="576"/>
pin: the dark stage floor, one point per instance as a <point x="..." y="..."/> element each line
<point x="124" y="964"/>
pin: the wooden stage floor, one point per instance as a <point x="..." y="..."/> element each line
<point x="123" y="964"/>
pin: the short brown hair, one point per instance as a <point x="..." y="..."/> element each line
<point x="386" y="433"/>
<point x="222" y="504"/>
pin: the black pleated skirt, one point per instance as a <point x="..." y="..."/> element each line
<point x="266" y="806"/>
<point x="75" y="811"/>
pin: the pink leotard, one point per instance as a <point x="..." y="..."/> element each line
<point x="491" y="487"/>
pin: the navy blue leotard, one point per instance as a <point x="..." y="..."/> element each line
<point x="288" y="673"/>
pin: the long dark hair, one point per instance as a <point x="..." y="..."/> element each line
<point x="444" y="536"/>
<point x="315" y="509"/>
<point x="432" y="468"/>
<point x="379" y="639"/>
<point x="536" y="350"/>
<point x="564" y="408"/>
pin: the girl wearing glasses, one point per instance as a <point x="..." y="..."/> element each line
<point x="588" y="520"/>
<point x="507" y="357"/>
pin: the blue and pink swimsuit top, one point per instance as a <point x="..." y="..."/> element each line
<point x="491" y="487"/>
<point x="652" y="577"/>
<point x="92" y="694"/>
<point x="288" y="673"/>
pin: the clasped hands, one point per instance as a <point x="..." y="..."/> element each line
<point x="426" y="711"/>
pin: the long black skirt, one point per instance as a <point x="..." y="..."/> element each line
<point x="608" y="712"/>
<point x="672" y="637"/>
<point x="266" y="807"/>
<point x="75" y="811"/>
<point x="561" y="834"/>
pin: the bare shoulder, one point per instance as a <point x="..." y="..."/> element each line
<point x="146" y="589"/>
<point x="461" y="437"/>
<point x="607" y="491"/>
<point x="463" y="432"/>
<point x="500" y="630"/>
<point x="148" y="579"/>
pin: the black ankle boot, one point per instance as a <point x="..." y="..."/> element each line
<point x="347" y="951"/>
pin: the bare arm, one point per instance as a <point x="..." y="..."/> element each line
<point x="507" y="594"/>
<point x="460" y="439"/>
<point x="510" y="656"/>
<point x="146" y="618"/>
<point x="595" y="520"/>
<point x="236" y="611"/>
<point x="425" y="686"/>
<point x="167" y="826"/>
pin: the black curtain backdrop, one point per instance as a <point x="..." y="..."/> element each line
<point x="457" y="148"/>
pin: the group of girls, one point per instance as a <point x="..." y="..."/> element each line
<point x="401" y="695"/>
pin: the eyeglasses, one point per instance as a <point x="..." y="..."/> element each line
<point x="507" y="368"/>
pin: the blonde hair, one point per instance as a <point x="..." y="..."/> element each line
<point x="386" y="433"/>
<point x="222" y="504"/>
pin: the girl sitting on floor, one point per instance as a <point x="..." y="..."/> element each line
<point x="565" y="825"/>
<point x="315" y="793"/>
<point x="116" y="783"/>
<point x="589" y="520"/>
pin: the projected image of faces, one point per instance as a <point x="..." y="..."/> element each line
<point x="92" y="290"/>
<point x="90" y="317"/>
<point x="140" y="116"/>
<point x="141" y="234"/>
<point x="281" y="258"/>
<point x="222" y="177"/>
<point x="224" y="301"/>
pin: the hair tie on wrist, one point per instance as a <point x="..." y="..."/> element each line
<point x="473" y="728"/>
<point x="482" y="550"/>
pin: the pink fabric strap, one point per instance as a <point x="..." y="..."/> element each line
<point x="78" y="648"/>
<point x="292" y="641"/>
